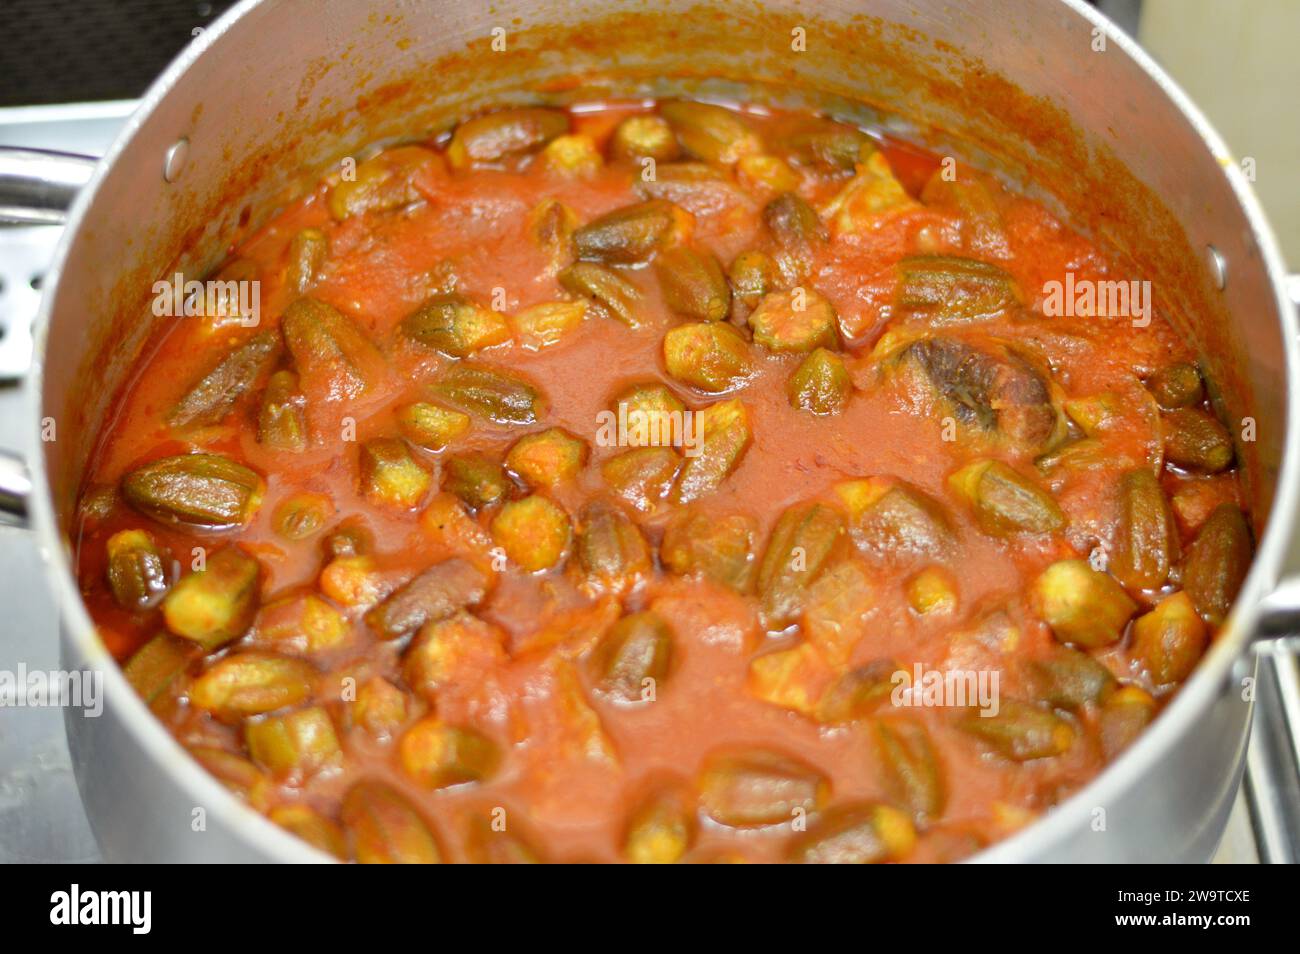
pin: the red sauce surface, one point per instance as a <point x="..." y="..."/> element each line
<point x="569" y="805"/>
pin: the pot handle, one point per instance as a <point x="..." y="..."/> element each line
<point x="1278" y="627"/>
<point x="37" y="186"/>
<point x="1272" y="781"/>
<point x="15" y="488"/>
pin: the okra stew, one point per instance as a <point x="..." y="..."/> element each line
<point x="660" y="482"/>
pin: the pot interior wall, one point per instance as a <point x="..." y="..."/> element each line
<point x="1016" y="88"/>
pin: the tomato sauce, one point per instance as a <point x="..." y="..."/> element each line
<point x="572" y="763"/>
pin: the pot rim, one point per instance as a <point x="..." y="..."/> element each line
<point x="1042" y="835"/>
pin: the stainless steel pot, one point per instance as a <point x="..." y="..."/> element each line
<point x="1047" y="93"/>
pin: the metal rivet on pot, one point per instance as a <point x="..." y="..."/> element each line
<point x="1218" y="266"/>
<point x="174" y="161"/>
